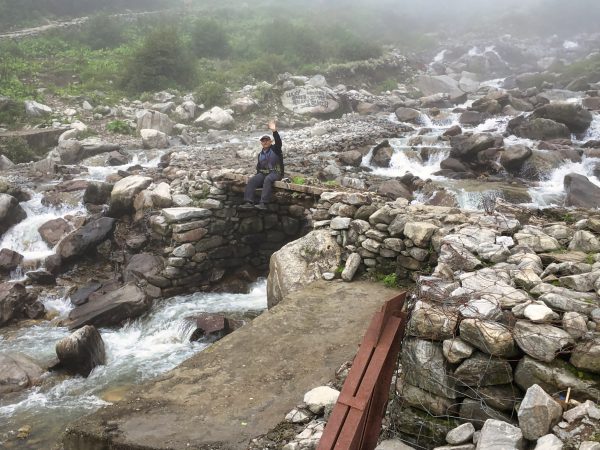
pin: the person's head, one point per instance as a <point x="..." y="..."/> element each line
<point x="265" y="141"/>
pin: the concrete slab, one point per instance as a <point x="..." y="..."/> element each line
<point x="242" y="386"/>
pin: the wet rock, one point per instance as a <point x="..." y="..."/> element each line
<point x="573" y="115"/>
<point x="497" y="435"/>
<point x="87" y="237"/>
<point x="382" y="154"/>
<point x="11" y="212"/>
<point x="454" y="130"/>
<point x="351" y="158"/>
<point x="472" y="118"/>
<point x="513" y="157"/>
<point x="394" y="189"/>
<point x="300" y="262"/>
<point x="41" y="276"/>
<point x="209" y="326"/>
<point x="538" y="413"/>
<point x="9" y="260"/>
<point x="54" y="230"/>
<point x="80" y="352"/>
<point x="408" y="114"/>
<point x="113" y="308"/>
<point x="116" y="159"/>
<point x="434" y="84"/>
<point x="18" y="372"/>
<point x="537" y="128"/>
<point x="465" y="147"/>
<point x="97" y="193"/>
<point x="581" y="192"/>
<point x="124" y="192"/>
<point x="16" y="303"/>
<point x="81" y="295"/>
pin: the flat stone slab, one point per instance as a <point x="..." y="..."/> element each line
<point x="243" y="385"/>
<point x="185" y="213"/>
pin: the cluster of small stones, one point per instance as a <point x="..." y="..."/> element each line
<point x="506" y="320"/>
<point x="216" y="237"/>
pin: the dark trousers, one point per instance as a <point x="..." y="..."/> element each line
<point x="258" y="180"/>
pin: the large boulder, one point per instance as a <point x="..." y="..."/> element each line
<point x="216" y="118"/>
<point x="574" y="116"/>
<point x="465" y="147"/>
<point x="124" y="192"/>
<point x="513" y="157"/>
<point x="408" y="114"/>
<point x="85" y="238"/>
<point x="424" y="366"/>
<point x="35" y="109"/>
<point x="70" y="151"/>
<point x="537" y="128"/>
<point x="97" y="193"/>
<point x="310" y="100"/>
<point x="301" y="262"/>
<point x="18" y="372"/>
<point x="113" y="308"/>
<point x="581" y="192"/>
<point x="186" y="111"/>
<point x="434" y="84"/>
<point x="16" y="303"/>
<point x="154" y="120"/>
<point x="80" y="352"/>
<point x="11" y="212"/>
<point x="394" y="189"/>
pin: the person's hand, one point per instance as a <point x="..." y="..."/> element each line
<point x="272" y="125"/>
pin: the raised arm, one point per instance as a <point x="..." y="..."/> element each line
<point x="276" y="137"/>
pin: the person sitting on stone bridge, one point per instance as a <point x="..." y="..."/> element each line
<point x="269" y="168"/>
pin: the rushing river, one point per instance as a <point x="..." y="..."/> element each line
<point x="142" y="349"/>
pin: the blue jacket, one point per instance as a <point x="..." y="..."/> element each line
<point x="272" y="159"/>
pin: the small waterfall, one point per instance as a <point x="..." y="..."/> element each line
<point x="24" y="237"/>
<point x="99" y="173"/>
<point x="142" y="349"/>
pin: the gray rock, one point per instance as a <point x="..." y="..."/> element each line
<point x="586" y="355"/>
<point x="574" y="116"/>
<point x="460" y="434"/>
<point x="585" y="241"/>
<point x="216" y="118"/>
<point x="393" y="444"/>
<point x="35" y="109"/>
<point x="9" y="260"/>
<point x="420" y="232"/>
<point x="154" y="120"/>
<point x="321" y="397"/>
<point x="85" y="238"/>
<point x="18" y="372"/>
<point x="124" y="192"/>
<point x="54" y="230"/>
<point x="112" y="308"/>
<point x="97" y="193"/>
<point x="310" y="100"/>
<point x="483" y="370"/>
<point x="581" y="192"/>
<point x="11" y="212"/>
<point x="489" y="337"/>
<point x="141" y="266"/>
<point x="80" y="352"/>
<point x="425" y="367"/>
<point x="548" y="442"/>
<point x="542" y="129"/>
<point x="540" y="341"/>
<point x="430" y="321"/>
<point x="154" y="139"/>
<point x="352" y="264"/>
<point x="456" y="350"/>
<point x="587" y="408"/>
<point x="185" y="214"/>
<point x="497" y="435"/>
<point x="408" y="114"/>
<point x="465" y="147"/>
<point x="575" y="324"/>
<point x="300" y="262"/>
<point x="478" y="412"/>
<point x="425" y="401"/>
<point x="536" y="239"/>
<point x="340" y="223"/>
<point x="553" y="377"/>
<point x="538" y="413"/>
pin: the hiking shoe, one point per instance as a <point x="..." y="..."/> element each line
<point x="246" y="205"/>
<point x="261" y="206"/>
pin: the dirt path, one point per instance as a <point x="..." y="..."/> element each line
<point x="242" y="386"/>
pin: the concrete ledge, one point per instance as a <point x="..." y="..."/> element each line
<point x="279" y="185"/>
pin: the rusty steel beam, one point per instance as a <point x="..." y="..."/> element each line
<point x="355" y="421"/>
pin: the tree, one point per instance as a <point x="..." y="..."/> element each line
<point x="162" y="61"/>
<point x="209" y="40"/>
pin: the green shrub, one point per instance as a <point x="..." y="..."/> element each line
<point x="209" y="40"/>
<point x="103" y="31"/>
<point x="298" y="180"/>
<point x="211" y="93"/>
<point x="390" y="280"/>
<point x="17" y="150"/>
<point x="119" y="127"/>
<point x="160" y="62"/>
